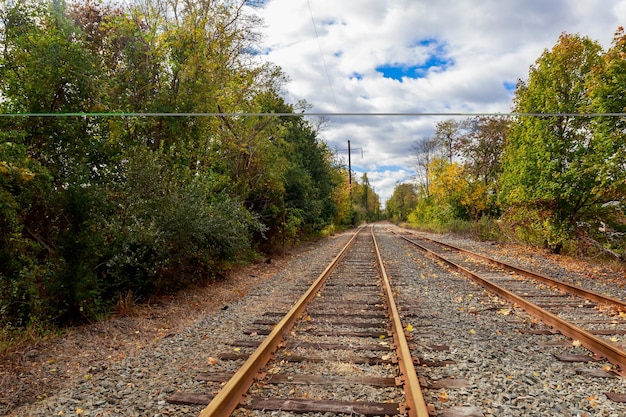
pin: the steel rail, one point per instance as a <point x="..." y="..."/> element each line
<point x="231" y="394"/>
<point x="599" y="346"/>
<point x="561" y="285"/>
<point x="416" y="406"/>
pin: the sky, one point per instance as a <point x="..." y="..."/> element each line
<point x="414" y="56"/>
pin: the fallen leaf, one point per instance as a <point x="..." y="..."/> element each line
<point x="576" y="343"/>
<point x="211" y="360"/>
<point x="409" y="328"/>
<point x="472" y="331"/>
<point x="504" y="311"/>
<point x="79" y="411"/>
<point x="237" y="349"/>
<point x="443" y="397"/>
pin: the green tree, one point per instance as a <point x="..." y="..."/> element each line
<point x="45" y="67"/>
<point x="366" y="202"/>
<point x="94" y="207"/>
<point x="550" y="162"/>
<point x="401" y="203"/>
<point x="482" y="147"/>
<point x="607" y="88"/>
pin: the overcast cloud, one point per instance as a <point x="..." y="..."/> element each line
<point x="381" y="56"/>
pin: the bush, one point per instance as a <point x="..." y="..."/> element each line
<point x="172" y="228"/>
<point x="534" y="225"/>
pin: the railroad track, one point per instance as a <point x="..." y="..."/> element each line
<point x="593" y="320"/>
<point x="336" y="351"/>
<point x="344" y="332"/>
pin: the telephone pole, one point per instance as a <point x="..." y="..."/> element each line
<point x="350" y="163"/>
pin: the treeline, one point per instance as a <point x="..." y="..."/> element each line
<point x="557" y="179"/>
<point x="95" y="209"/>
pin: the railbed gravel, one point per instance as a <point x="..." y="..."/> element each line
<point x="508" y="373"/>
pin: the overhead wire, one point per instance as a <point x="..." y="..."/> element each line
<point x="307" y="114"/>
<point x="319" y="44"/>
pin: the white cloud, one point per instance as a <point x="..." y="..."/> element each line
<point x="488" y="43"/>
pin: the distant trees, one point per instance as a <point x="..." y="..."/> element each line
<point x="94" y="207"/>
<point x="366" y="204"/>
<point x="458" y="170"/>
<point x="402" y="202"/>
<point x="557" y="179"/>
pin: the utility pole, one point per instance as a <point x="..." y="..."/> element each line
<point x="350" y="164"/>
<point x="350" y="167"/>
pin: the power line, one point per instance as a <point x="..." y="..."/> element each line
<point x="308" y="114"/>
<point x="319" y="44"/>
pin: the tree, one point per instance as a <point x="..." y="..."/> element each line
<point x="550" y="162"/>
<point x="424" y="151"/>
<point x="401" y="203"/>
<point x="482" y="147"/>
<point x="607" y="89"/>
<point x="365" y="200"/>
<point x="608" y="92"/>
<point x="447" y="137"/>
<point x="94" y="207"/>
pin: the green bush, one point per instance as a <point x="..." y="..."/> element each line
<point x="172" y="228"/>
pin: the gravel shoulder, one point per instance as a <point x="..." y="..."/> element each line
<point x="508" y="372"/>
<point x="128" y="366"/>
<point x="64" y="375"/>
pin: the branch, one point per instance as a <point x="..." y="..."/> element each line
<point x="50" y="250"/>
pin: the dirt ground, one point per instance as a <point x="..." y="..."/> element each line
<point x="33" y="372"/>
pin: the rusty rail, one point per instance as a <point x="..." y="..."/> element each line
<point x="416" y="406"/>
<point x="561" y="285"/>
<point x="231" y="394"/>
<point x="594" y="344"/>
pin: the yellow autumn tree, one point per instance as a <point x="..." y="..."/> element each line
<point x="452" y="195"/>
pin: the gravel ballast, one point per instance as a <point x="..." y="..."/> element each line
<point x="508" y="373"/>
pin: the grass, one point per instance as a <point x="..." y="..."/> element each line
<point x="14" y="339"/>
<point x="126" y="305"/>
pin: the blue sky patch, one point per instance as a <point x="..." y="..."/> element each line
<point x="256" y="51"/>
<point x="427" y="42"/>
<point x="256" y="3"/>
<point x="437" y="59"/>
<point x="392" y="168"/>
<point x="509" y="86"/>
